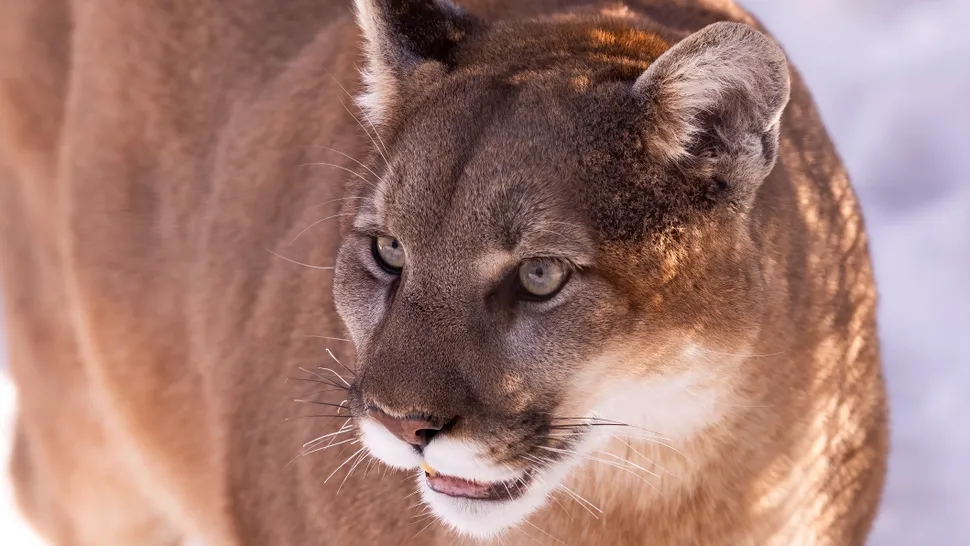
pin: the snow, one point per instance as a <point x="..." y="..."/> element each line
<point x="892" y="80"/>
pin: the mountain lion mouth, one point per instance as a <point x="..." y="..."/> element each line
<point x="470" y="489"/>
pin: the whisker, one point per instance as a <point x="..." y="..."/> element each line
<point x="370" y="466"/>
<point x="332" y="216"/>
<point x="292" y="261"/>
<point x="323" y="391"/>
<point x="573" y="495"/>
<point x="368" y="169"/>
<point x="507" y="490"/>
<point x="343" y="463"/>
<point x="351" y="372"/>
<point x="603" y="461"/>
<point x="330" y="338"/>
<point x="335" y="373"/>
<point x="576" y="496"/>
<point x="315" y="415"/>
<point x="415" y="492"/>
<point x="328" y="446"/>
<point x="602" y="420"/>
<point x="366" y="117"/>
<point x="322" y="378"/>
<point x="628" y="462"/>
<point x="311" y="207"/>
<point x="318" y="403"/>
<point x="360" y="458"/>
<point x="635" y="450"/>
<point x="555" y="500"/>
<point x="655" y="442"/>
<point x="306" y="452"/>
<point x="583" y="425"/>
<point x="605" y="423"/>
<point x="521" y="530"/>
<point x="366" y="131"/>
<point x="527" y="522"/>
<point x="312" y="381"/>
<point x="336" y="166"/>
<point x="343" y="429"/>
<point x="423" y="529"/>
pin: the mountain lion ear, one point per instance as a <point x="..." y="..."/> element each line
<point x="718" y="95"/>
<point x="400" y="36"/>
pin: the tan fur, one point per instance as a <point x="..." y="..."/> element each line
<point x="156" y="161"/>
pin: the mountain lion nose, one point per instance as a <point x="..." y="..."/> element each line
<point x="417" y="431"/>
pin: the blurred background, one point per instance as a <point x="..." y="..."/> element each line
<point x="892" y="80"/>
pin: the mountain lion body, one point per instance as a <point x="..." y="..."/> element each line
<point x="582" y="272"/>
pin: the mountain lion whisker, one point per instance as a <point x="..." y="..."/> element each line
<point x="292" y="261"/>
<point x="377" y="177"/>
<point x="318" y="205"/>
<point x="343" y="464"/>
<point x="361" y="457"/>
<point x="581" y="501"/>
<point x="527" y="522"/>
<point x="340" y="377"/>
<point x="648" y="459"/>
<point x="306" y="452"/>
<point x="627" y="461"/>
<point x="320" y="221"/>
<point x="322" y="378"/>
<point x="326" y="337"/>
<point x="343" y="429"/>
<point x="370" y="122"/>
<point x="351" y="372"/>
<point x="603" y="461"/>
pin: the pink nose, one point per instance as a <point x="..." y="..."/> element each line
<point x="413" y="430"/>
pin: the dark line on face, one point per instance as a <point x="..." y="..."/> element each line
<point x="491" y="105"/>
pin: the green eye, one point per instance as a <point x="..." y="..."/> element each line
<point x="541" y="278"/>
<point x="389" y="253"/>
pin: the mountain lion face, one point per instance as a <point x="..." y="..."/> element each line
<point x="555" y="242"/>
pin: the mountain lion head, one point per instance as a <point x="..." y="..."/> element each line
<point x="557" y="242"/>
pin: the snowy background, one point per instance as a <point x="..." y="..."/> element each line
<point x="892" y="80"/>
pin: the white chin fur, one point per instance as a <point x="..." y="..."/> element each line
<point x="479" y="518"/>
<point x="678" y="407"/>
<point x="489" y="518"/>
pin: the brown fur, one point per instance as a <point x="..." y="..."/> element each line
<point x="153" y="159"/>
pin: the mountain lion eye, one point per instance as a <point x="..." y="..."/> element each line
<point x="389" y="253"/>
<point x="541" y="278"/>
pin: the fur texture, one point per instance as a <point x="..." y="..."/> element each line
<point x="189" y="197"/>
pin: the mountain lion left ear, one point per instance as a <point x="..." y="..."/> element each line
<point x="718" y="94"/>
<point x="400" y="36"/>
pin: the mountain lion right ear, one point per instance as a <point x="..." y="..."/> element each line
<point x="402" y="35"/>
<point x="718" y="95"/>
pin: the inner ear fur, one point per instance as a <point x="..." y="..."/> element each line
<point x="715" y="100"/>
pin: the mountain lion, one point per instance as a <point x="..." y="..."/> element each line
<point x="403" y="272"/>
